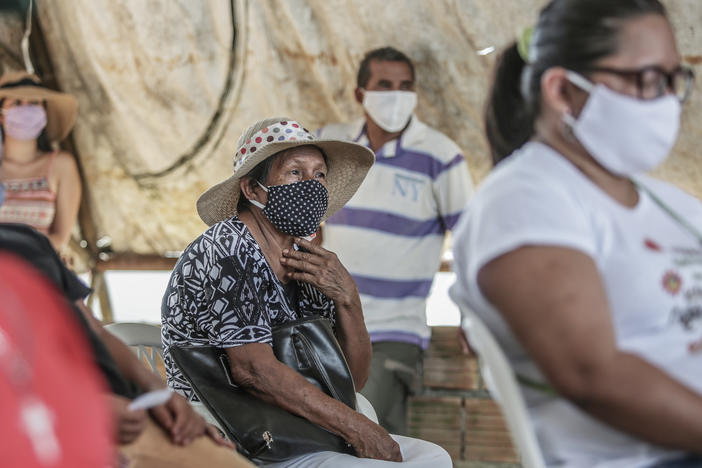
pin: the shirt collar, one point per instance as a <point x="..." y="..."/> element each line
<point x="358" y="130"/>
<point x="393" y="147"/>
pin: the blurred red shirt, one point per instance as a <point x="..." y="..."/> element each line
<point x="51" y="395"/>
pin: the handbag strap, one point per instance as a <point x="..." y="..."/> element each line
<point x="672" y="213"/>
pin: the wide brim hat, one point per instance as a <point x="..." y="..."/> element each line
<point x="347" y="166"/>
<point x="61" y="108"/>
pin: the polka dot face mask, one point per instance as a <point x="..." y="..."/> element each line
<point x="295" y="209"/>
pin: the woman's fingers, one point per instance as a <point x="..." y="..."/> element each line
<point x="304" y="277"/>
<point x="306" y="257"/>
<point x="300" y="265"/>
<point x="131" y="424"/>
<point x="310" y="247"/>
<point x="219" y="439"/>
<point x="318" y="267"/>
<point x="163" y="416"/>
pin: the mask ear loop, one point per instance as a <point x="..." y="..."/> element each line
<point x="567" y="119"/>
<point x="265" y="189"/>
<point x="257" y="203"/>
<point x="580" y="81"/>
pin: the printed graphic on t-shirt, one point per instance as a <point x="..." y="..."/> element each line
<point x="407" y="187"/>
<point x="685" y="282"/>
<point x="652" y="245"/>
<point x="672" y="282"/>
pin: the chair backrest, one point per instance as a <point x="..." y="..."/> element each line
<point x="365" y="408"/>
<point x="502" y="383"/>
<point x="144" y="338"/>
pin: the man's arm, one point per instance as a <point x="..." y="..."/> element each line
<point x="555" y="303"/>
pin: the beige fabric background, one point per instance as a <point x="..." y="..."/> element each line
<point x="164" y="92"/>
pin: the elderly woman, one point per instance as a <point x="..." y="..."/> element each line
<point x="256" y="268"/>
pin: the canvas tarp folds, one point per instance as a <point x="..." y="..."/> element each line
<point x="165" y="87"/>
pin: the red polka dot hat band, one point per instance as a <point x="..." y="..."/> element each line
<point x="347" y="163"/>
<point x="282" y="131"/>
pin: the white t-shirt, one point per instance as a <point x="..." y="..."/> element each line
<point x="651" y="268"/>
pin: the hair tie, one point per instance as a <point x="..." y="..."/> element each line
<point x="524" y="43"/>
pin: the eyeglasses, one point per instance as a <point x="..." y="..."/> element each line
<point x="653" y="82"/>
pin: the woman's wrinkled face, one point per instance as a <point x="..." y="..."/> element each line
<point x="298" y="164"/>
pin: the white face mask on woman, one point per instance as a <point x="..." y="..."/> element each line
<point x="624" y="134"/>
<point x="391" y="110"/>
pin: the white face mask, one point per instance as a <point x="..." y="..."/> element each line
<point x="624" y="134"/>
<point x="391" y="110"/>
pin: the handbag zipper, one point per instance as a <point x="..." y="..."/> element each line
<point x="317" y="364"/>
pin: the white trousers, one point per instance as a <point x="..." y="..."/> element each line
<point x="416" y="453"/>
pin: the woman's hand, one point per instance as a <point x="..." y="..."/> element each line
<point x="322" y="269"/>
<point x="255" y="368"/>
<point x="179" y="419"/>
<point x="128" y="424"/>
<point x="374" y="442"/>
<point x="216" y="435"/>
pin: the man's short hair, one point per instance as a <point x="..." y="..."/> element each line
<point x="384" y="54"/>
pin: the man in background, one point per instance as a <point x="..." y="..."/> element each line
<point x="390" y="235"/>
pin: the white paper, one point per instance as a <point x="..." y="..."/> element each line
<point x="150" y="399"/>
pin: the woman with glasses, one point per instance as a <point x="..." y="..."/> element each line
<point x="587" y="271"/>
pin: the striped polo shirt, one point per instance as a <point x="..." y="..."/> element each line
<point x="391" y="233"/>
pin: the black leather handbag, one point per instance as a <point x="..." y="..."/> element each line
<point x="263" y="431"/>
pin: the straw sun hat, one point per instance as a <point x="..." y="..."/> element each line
<point x="347" y="165"/>
<point x="61" y="108"/>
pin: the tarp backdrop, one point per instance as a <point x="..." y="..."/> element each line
<point x="165" y="87"/>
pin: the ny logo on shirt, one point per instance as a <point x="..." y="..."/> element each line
<point x="407" y="187"/>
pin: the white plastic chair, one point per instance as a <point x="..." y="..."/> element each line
<point x="365" y="408"/>
<point x="502" y="383"/>
<point x="144" y="337"/>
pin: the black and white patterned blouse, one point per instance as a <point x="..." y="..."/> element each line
<point x="222" y="292"/>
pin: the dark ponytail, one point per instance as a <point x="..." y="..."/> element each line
<point x="573" y="34"/>
<point x="508" y="117"/>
